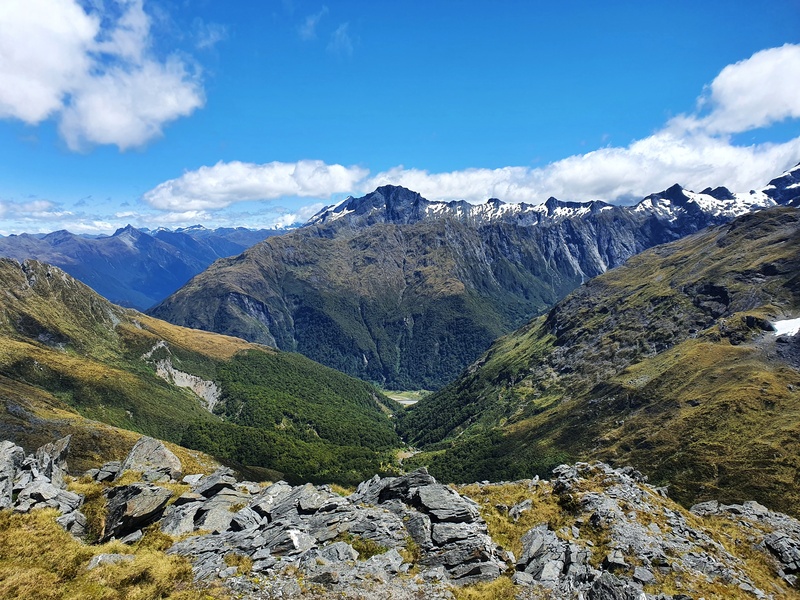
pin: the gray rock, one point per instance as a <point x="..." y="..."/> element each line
<point x="219" y="480"/>
<point x="217" y="513"/>
<point x="608" y="587"/>
<point x="418" y="526"/>
<point x="131" y="507"/>
<point x="444" y="504"/>
<point x="193" y="479"/>
<point x="52" y="460"/>
<point x="515" y="512"/>
<point x="11" y="459"/>
<point x="109" y="471"/>
<point x="108" y="559"/>
<point x="151" y="457"/>
<point x="643" y="576"/>
<point x="338" y="552"/>
<point x="388" y="562"/>
<point x="179" y="519"/>
<point x="445" y="533"/>
<point x="522" y="578"/>
<point x="269" y="497"/>
<point x="74" y="523"/>
<point x="245" y="518"/>
<point x="43" y="494"/>
<point x="133" y="537"/>
<point x="785" y="549"/>
<point x="704" y="509"/>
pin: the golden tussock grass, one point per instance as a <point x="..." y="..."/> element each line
<point x="41" y="561"/>
<point x="500" y="589"/>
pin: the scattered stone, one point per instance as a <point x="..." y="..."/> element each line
<point x="108" y="559"/>
<point x="109" y="471"/>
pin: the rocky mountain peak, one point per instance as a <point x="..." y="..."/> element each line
<point x="720" y="193"/>
<point x="786" y="188"/>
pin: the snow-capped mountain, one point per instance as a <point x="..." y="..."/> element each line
<point x="398" y="205"/>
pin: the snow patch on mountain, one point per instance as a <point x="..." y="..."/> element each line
<point x="787" y="327"/>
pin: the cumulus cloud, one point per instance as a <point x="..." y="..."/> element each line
<point x="753" y="93"/>
<point x="94" y="72"/>
<point x="695" y="150"/>
<point x="210" y="188"/>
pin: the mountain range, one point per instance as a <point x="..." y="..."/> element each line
<point x="671" y="362"/>
<point x="406" y="292"/>
<point x="134" y="267"/>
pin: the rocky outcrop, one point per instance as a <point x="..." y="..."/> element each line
<point x="153" y="460"/>
<point x="312" y="529"/>
<point x="37" y="481"/>
<point x="603" y="534"/>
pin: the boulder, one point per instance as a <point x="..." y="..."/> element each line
<point x="219" y="480"/>
<point x="444" y="504"/>
<point x="153" y="459"/>
<point x="131" y="507"/>
<point x="52" y="460"/>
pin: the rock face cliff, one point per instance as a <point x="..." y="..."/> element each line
<point x="590" y="532"/>
<point x="406" y="292"/>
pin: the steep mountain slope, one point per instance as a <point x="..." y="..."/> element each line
<point x="406" y="292"/>
<point x="65" y="344"/>
<point x="669" y="363"/>
<point x="133" y="267"/>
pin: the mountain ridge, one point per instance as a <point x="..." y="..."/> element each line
<point x="667" y="363"/>
<point x="133" y="267"/>
<point x="405" y="292"/>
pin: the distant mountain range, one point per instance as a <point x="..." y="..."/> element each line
<point x="134" y="267"/>
<point x="671" y="363"/>
<point x="406" y="292"/>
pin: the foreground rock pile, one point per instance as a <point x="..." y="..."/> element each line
<point x="608" y="535"/>
<point x="625" y="538"/>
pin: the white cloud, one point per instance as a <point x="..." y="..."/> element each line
<point x="92" y="71"/>
<point x="210" y="188"/>
<point x="208" y="35"/>
<point x="755" y="92"/>
<point x="298" y="217"/>
<point x="308" y="30"/>
<point x="341" y="43"/>
<point x="695" y="150"/>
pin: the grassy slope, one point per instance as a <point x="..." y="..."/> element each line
<point x="63" y="346"/>
<point x="655" y="364"/>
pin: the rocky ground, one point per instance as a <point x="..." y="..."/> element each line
<point x="592" y="532"/>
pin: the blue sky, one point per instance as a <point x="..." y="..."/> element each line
<point x="171" y="113"/>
